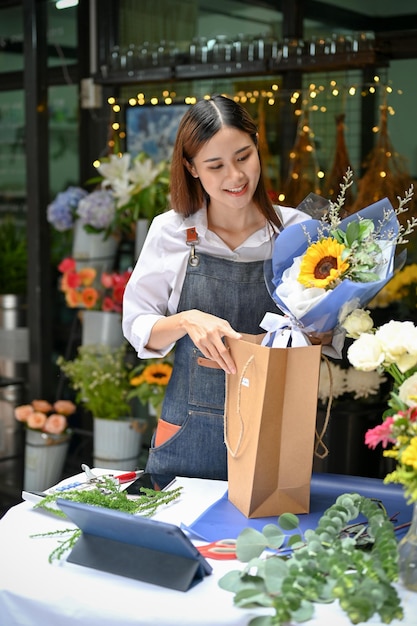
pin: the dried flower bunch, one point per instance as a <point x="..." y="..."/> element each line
<point x="46" y="417"/>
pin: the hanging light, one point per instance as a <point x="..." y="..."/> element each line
<point x="65" y="4"/>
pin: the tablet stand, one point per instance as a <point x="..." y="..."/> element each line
<point x="140" y="563"/>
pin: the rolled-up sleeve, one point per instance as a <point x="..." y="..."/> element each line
<point x="153" y="289"/>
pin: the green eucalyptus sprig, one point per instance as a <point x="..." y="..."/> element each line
<point x="355" y="566"/>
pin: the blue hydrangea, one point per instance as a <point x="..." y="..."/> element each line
<point x="61" y="213"/>
<point x="97" y="209"/>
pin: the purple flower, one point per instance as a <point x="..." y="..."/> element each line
<point x="97" y="209"/>
<point x="61" y="213"/>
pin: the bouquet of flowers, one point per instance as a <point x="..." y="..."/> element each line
<point x="391" y="348"/>
<point x="81" y="288"/>
<point x="323" y="269"/>
<point x="44" y="416"/>
<point x="149" y="381"/>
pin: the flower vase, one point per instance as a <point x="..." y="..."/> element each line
<point x="117" y="443"/>
<point x="407" y="555"/>
<point x="102" y="327"/>
<point x="92" y="249"/>
<point x="45" y="456"/>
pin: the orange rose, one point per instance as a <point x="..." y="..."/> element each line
<point x="42" y="406"/>
<point x="36" y="420"/>
<point x="55" y="424"/>
<point x="65" y="407"/>
<point x="22" y="412"/>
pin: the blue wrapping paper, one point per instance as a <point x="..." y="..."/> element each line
<point x="224" y="521"/>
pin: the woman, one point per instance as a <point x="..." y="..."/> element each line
<point x="199" y="280"/>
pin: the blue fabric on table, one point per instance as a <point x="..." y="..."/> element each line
<point x="224" y="521"/>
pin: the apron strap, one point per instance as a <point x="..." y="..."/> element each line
<point x="192" y="240"/>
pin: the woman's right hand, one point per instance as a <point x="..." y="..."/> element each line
<point x="206" y="332"/>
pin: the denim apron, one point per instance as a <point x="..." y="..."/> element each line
<point x="195" y="394"/>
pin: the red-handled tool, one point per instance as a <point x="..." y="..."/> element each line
<point x="222" y="550"/>
<point x="126" y="478"/>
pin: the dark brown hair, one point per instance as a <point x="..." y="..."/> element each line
<point x="199" y="124"/>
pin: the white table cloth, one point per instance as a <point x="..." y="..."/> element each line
<point x="34" y="592"/>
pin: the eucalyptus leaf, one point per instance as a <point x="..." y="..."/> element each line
<point x="288" y="521"/>
<point x="250" y="544"/>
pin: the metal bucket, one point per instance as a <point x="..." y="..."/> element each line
<point x="14" y="336"/>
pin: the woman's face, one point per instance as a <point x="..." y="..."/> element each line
<point x="228" y="167"/>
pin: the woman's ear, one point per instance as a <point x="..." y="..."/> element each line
<point x="190" y="167"/>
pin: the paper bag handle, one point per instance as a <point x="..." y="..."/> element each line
<point x="234" y="453"/>
<point x="319" y="436"/>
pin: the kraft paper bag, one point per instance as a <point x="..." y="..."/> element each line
<point x="270" y="422"/>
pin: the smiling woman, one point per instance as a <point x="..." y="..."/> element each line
<point x="208" y="285"/>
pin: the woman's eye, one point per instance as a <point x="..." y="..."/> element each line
<point x="216" y="167"/>
<point x="244" y="157"/>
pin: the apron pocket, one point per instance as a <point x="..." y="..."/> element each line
<point x="164" y="431"/>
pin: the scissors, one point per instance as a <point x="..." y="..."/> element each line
<point x="222" y="550"/>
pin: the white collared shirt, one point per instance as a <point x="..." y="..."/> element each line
<point x="154" y="289"/>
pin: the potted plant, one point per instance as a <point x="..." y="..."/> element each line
<point x="13" y="285"/>
<point x="13" y="256"/>
<point x="100" y="376"/>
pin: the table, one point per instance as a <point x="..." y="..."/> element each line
<point x="34" y="592"/>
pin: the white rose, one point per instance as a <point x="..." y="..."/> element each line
<point x="395" y="339"/>
<point x="357" y="323"/>
<point x="408" y="391"/>
<point x="366" y="353"/>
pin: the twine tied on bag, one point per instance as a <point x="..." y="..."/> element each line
<point x="319" y="436"/>
<point x="234" y="453"/>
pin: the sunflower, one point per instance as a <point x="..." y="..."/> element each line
<point x="322" y="265"/>
<point x="157" y="374"/>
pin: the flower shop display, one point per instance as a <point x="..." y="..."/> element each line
<point x="149" y="380"/>
<point x="90" y="217"/>
<point x="47" y="439"/>
<point x="100" y="376"/>
<point x="85" y="288"/>
<point x="140" y="188"/>
<point x="101" y="295"/>
<point x="392" y="348"/>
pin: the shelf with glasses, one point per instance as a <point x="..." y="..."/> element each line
<point x="278" y="65"/>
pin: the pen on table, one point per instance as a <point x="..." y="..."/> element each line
<point x="126" y="478"/>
